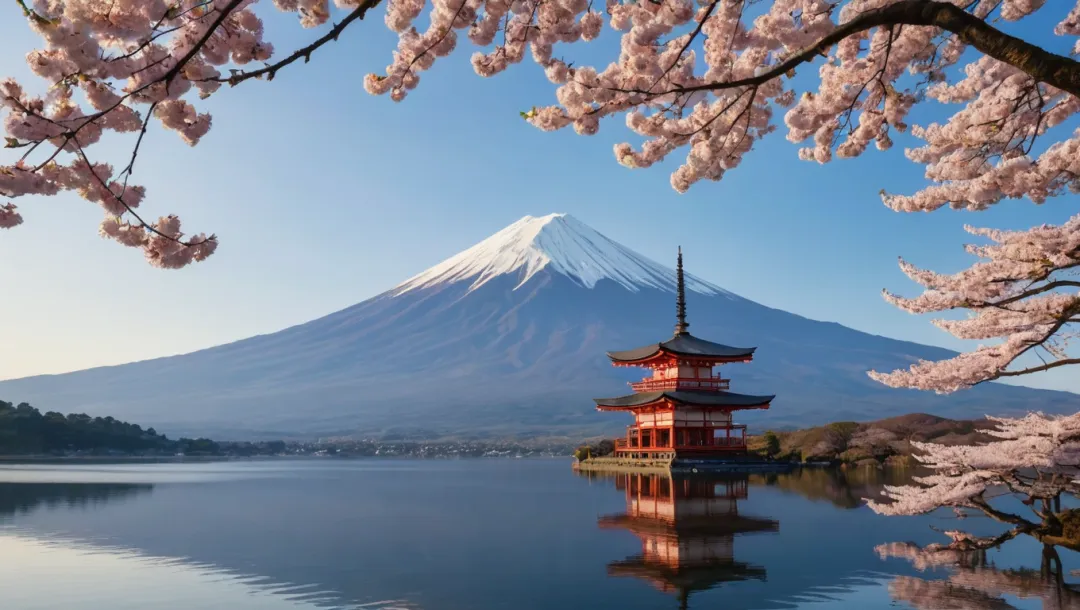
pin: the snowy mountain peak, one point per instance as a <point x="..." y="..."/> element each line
<point x="558" y="242"/>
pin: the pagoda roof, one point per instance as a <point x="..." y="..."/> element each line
<point x="683" y="344"/>
<point x="687" y="397"/>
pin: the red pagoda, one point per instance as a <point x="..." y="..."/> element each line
<point x="684" y="409"/>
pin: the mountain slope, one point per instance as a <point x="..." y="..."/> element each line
<point x="508" y="337"/>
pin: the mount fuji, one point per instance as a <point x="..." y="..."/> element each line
<point x="508" y="338"/>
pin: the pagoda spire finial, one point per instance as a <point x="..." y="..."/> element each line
<point x="680" y="299"/>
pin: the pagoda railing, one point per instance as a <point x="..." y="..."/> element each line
<point x="681" y="383"/>
<point x="734" y="441"/>
<point x="719" y="445"/>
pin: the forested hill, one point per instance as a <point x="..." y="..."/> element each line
<point x="24" y="430"/>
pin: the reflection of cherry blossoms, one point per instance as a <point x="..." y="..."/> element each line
<point x="982" y="587"/>
<point x="943" y="595"/>
<point x="936" y="554"/>
<point x="705" y="78"/>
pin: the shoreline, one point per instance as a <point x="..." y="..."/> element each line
<point x="255" y="458"/>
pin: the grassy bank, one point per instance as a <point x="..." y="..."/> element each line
<point x="885" y="441"/>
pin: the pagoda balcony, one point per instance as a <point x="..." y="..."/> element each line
<point x="729" y="442"/>
<point x="681" y="383"/>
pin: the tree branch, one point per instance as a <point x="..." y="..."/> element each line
<point x="225" y="12"/>
<point x="689" y="41"/>
<point x="130" y="210"/>
<point x="1036" y="369"/>
<point x="1056" y="70"/>
<point x="1035" y="291"/>
<point x="305" y="52"/>
<point x="983" y="544"/>
<point x="1002" y="516"/>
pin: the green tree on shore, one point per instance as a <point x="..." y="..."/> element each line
<point x="772" y="444"/>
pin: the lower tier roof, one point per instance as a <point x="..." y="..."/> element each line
<point x="687" y="397"/>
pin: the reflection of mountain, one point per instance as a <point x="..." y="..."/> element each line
<point x="687" y="527"/>
<point x="16" y="498"/>
<point x="124" y="570"/>
<point x="842" y="487"/>
<point x="121" y="575"/>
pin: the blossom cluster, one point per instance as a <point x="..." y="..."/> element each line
<point x="1048" y="445"/>
<point x="1020" y="293"/>
<point x="111" y="67"/>
<point x="703" y="76"/>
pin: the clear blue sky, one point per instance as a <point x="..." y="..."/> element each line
<point x="339" y="196"/>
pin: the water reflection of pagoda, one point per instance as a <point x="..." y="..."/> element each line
<point x="687" y="526"/>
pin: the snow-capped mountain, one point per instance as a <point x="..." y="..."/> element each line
<point x="557" y="242"/>
<point x="508" y="337"/>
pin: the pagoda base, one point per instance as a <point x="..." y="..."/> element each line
<point x="680" y="464"/>
<point x="730" y="463"/>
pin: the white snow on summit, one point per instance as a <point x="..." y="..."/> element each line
<point x="559" y="242"/>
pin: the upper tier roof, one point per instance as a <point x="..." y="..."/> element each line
<point x="687" y="397"/>
<point x="683" y="344"/>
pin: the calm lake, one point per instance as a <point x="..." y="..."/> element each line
<point x="473" y="534"/>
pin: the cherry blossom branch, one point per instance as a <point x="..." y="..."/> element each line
<point x="1059" y="71"/>
<point x="438" y="41"/>
<point x="999" y="515"/>
<point x="1036" y="458"/>
<point x="146" y="225"/>
<point x="1036" y="291"/>
<point x="157" y="33"/>
<point x="1016" y="295"/>
<point x="130" y="169"/>
<point x="690" y="40"/>
<point x="1039" y="369"/>
<point x="305" y="52"/>
<point x="1013" y="94"/>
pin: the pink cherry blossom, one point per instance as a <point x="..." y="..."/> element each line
<point x="1020" y="295"/>
<point x="1036" y="458"/>
<point x="705" y="79"/>
<point x="9" y="217"/>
